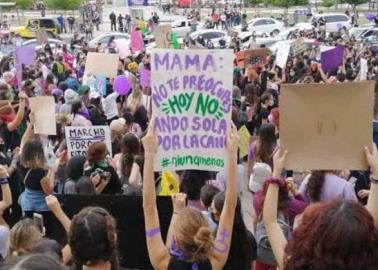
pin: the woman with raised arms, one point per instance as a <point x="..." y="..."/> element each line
<point x="332" y="235"/>
<point x="189" y="242"/>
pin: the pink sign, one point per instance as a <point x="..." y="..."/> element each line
<point x="145" y="77"/>
<point x="136" y="41"/>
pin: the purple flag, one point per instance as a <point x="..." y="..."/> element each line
<point x="332" y="58"/>
<point x="25" y="55"/>
<point x="145" y="77"/>
<point x="370" y="16"/>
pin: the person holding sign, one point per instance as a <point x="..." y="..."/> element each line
<point x="332" y="235"/>
<point x="189" y="238"/>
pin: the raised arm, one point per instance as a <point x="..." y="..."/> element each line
<point x="5" y="190"/>
<point x="158" y="253"/>
<point x="12" y="126"/>
<point x="276" y="237"/>
<point x="226" y="222"/>
<point x="54" y="205"/>
<point x="372" y="204"/>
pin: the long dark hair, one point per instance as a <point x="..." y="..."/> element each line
<point x="130" y="149"/>
<point x="315" y="185"/>
<point x="266" y="143"/>
<point x="243" y="245"/>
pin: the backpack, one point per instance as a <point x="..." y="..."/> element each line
<point x="264" y="251"/>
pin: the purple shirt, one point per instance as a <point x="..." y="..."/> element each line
<point x="334" y="187"/>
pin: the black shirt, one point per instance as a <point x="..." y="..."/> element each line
<point x="177" y="264"/>
<point x="33" y="178"/>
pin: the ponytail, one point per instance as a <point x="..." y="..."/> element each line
<point x="315" y="185"/>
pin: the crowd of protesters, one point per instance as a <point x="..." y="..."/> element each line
<point x="311" y="220"/>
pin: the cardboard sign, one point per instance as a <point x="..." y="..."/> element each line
<point x="332" y="58"/>
<point x="299" y="46"/>
<point x="163" y="35"/>
<point x="44" y="113"/>
<point x="79" y="139"/>
<point x="326" y="126"/>
<point x="102" y="64"/>
<point x="254" y="58"/>
<point x="245" y="138"/>
<point x="282" y="55"/>
<point x="192" y="103"/>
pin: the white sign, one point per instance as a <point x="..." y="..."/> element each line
<point x="44" y="114"/>
<point x="79" y="139"/>
<point x="364" y="69"/>
<point x="282" y="55"/>
<point x="192" y="104"/>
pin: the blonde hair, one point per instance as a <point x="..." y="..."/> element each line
<point x="193" y="235"/>
<point x="135" y="99"/>
<point x="23" y="235"/>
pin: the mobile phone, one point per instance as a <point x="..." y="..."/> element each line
<point x="38" y="220"/>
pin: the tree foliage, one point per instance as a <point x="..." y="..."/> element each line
<point x="353" y="2"/>
<point x="63" y="4"/>
<point x="287" y="3"/>
<point x="328" y="3"/>
<point x="21" y="4"/>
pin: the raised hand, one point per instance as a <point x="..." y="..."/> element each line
<point x="150" y="141"/>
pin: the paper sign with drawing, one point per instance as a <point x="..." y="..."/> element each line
<point x="326" y="126"/>
<point x="192" y="103"/>
<point x="162" y="36"/>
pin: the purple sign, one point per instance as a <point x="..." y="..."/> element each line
<point x="332" y="58"/>
<point x="145" y="77"/>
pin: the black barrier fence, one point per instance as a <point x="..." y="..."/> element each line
<point x="128" y="212"/>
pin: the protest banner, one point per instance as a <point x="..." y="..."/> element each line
<point x="330" y="137"/>
<point x="299" y="46"/>
<point x="282" y="55"/>
<point x="44" y="113"/>
<point x="136" y="40"/>
<point x="245" y="138"/>
<point x="79" y="139"/>
<point x="192" y="103"/>
<point x="24" y="55"/>
<point x="332" y="58"/>
<point x="102" y="64"/>
<point x="256" y="57"/>
<point x="163" y="35"/>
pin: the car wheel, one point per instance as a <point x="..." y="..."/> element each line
<point x="275" y="33"/>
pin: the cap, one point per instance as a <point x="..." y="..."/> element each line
<point x="117" y="125"/>
<point x="83" y="89"/>
<point x="260" y="172"/>
<point x="94" y="95"/>
<point x="57" y="92"/>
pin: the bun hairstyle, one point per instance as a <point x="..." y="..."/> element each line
<point x="193" y="235"/>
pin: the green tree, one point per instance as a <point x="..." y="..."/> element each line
<point x="328" y="3"/>
<point x="255" y="2"/>
<point x="63" y="4"/>
<point x="287" y="3"/>
<point x="21" y="4"/>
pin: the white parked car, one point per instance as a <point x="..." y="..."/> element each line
<point x="263" y="25"/>
<point x="104" y="39"/>
<point x="357" y="31"/>
<point x="183" y="27"/>
<point x="213" y="35"/>
<point x="51" y="41"/>
<point x="335" y="21"/>
<point x="284" y="35"/>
